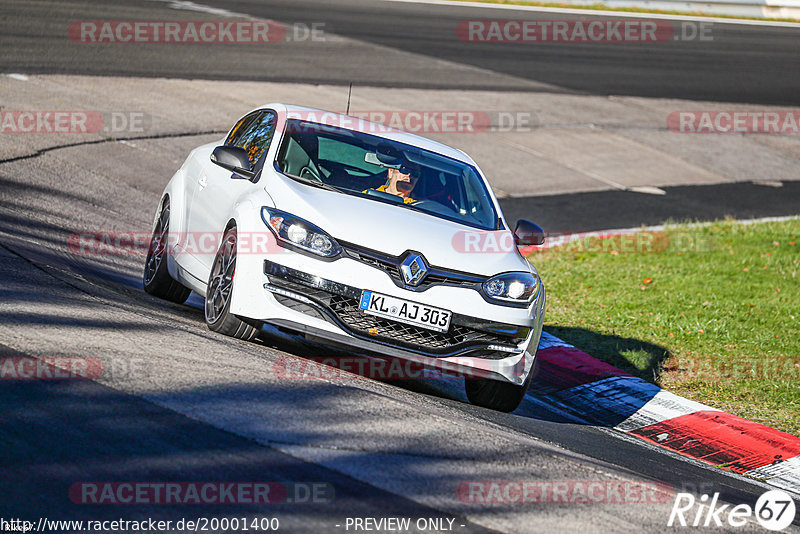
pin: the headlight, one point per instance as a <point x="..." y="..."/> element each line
<point x="512" y="287"/>
<point x="293" y="231"/>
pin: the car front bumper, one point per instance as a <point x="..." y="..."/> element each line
<point x="328" y="311"/>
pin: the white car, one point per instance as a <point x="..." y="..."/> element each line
<point x="353" y="235"/>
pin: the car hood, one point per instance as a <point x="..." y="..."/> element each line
<point x="394" y="230"/>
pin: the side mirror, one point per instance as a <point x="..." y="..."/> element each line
<point x="234" y="159"/>
<point x="527" y="233"/>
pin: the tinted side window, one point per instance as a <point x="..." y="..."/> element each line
<point x="241" y="127"/>
<point x="253" y="133"/>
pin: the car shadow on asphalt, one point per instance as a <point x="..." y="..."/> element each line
<point x="634" y="356"/>
<point x="552" y="382"/>
<point x="622" y="363"/>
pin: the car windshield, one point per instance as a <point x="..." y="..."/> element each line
<point x="383" y="170"/>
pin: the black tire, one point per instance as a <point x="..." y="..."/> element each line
<point x="496" y="395"/>
<point x="218" y="294"/>
<point x="156" y="278"/>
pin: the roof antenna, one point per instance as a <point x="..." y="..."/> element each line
<point x="350" y="92"/>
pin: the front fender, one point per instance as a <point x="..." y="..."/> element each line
<point x="253" y="239"/>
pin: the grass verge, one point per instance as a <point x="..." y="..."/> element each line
<point x="708" y="312"/>
<point x="603" y="7"/>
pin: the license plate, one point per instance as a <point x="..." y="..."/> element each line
<point x="404" y="311"/>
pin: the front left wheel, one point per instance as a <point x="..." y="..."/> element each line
<point x="219" y="291"/>
<point x="496" y="395"/>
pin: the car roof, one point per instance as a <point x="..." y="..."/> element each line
<point x="349" y="122"/>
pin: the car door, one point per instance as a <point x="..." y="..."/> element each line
<point x="218" y="189"/>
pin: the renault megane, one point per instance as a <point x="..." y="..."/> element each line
<point x="354" y="235"/>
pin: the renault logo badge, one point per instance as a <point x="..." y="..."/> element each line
<point x="413" y="269"/>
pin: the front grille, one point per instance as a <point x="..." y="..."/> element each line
<point x="347" y="310"/>
<point x="391" y="266"/>
<point x="338" y="303"/>
<point x="436" y="279"/>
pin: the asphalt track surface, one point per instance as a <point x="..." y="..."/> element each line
<point x="58" y="432"/>
<point x="396" y="44"/>
<point x="750" y="64"/>
<point x="607" y="210"/>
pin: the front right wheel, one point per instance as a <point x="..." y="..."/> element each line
<point x="156" y="278"/>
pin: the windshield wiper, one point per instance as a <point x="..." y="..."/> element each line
<point x="315" y="183"/>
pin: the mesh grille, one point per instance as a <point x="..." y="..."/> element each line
<point x="404" y="334"/>
<point x="399" y="334"/>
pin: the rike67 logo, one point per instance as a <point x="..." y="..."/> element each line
<point x="774" y="510"/>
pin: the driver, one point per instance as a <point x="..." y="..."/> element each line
<point x="401" y="182"/>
